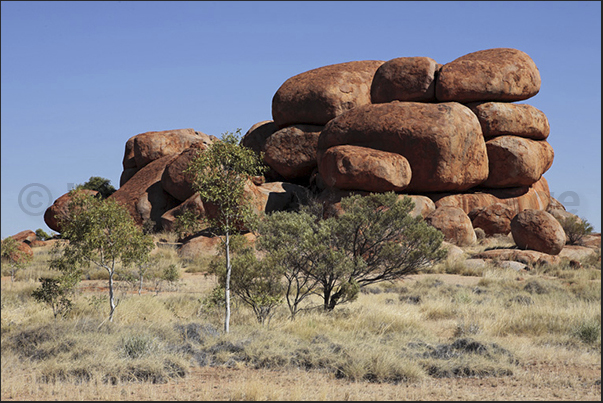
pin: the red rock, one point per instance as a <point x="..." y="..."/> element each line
<point x="454" y="224"/>
<point x="405" y="79"/>
<point x="536" y="196"/>
<point x="203" y="245"/>
<point x="255" y="138"/>
<point x="27" y="236"/>
<point x="529" y="257"/>
<point x="501" y="119"/>
<point x="443" y="143"/>
<point x="360" y="168"/>
<point x="538" y="230"/>
<point x="423" y="205"/>
<point x="174" y="180"/>
<point x="151" y="146"/>
<point x="126" y="174"/>
<point x="143" y="195"/>
<point x="500" y="74"/>
<point x="493" y="219"/>
<point x="516" y="161"/>
<point x="193" y="203"/>
<point x="60" y="208"/>
<point x="317" y="96"/>
<point x="291" y="151"/>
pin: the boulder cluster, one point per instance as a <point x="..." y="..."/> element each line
<point x="451" y="137"/>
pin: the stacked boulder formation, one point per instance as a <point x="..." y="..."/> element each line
<point x="451" y="137"/>
<point x="450" y="134"/>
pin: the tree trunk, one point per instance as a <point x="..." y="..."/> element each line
<point x="140" y="285"/>
<point x="227" y="285"/>
<point x="111" y="296"/>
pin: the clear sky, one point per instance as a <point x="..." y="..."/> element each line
<point x="80" y="78"/>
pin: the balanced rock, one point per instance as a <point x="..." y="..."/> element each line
<point x="174" y="179"/>
<point x="361" y="168"/>
<point x="405" y="79"/>
<point x="291" y="151"/>
<point x="538" y="230"/>
<point x="143" y="195"/>
<point x="500" y="74"/>
<point x="517" y="161"/>
<point x="59" y="210"/>
<point x="317" y="96"/>
<point x="502" y="118"/>
<point x="454" y="224"/>
<point x="493" y="219"/>
<point x="443" y="143"/>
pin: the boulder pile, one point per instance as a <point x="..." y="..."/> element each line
<point x="451" y="136"/>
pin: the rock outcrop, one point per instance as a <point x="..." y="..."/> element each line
<point x="59" y="210"/>
<point x="538" y="230"/>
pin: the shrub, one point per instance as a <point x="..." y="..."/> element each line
<point x="575" y="228"/>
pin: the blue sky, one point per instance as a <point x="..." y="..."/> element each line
<point x="80" y="78"/>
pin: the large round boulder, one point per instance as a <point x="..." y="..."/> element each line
<point x="174" y="179"/>
<point x="193" y="204"/>
<point x="291" y="151"/>
<point x="536" y="197"/>
<point x="59" y="210"/>
<point x="538" y="230"/>
<point x="517" y="161"/>
<point x="27" y="236"/>
<point x="454" y="224"/>
<point x="317" y="96"/>
<point x="503" y="118"/>
<point x="405" y="79"/>
<point x="493" y="219"/>
<point x="361" y="168"/>
<point x="443" y="143"/>
<point x="151" y="146"/>
<point x="143" y="196"/>
<point x="256" y="138"/>
<point x="500" y="74"/>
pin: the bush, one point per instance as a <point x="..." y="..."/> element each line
<point x="575" y="228"/>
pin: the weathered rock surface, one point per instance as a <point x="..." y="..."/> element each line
<point x="203" y="245"/>
<point x="454" y="224"/>
<point x="536" y="197"/>
<point x="500" y="74"/>
<point x="291" y="151"/>
<point x="60" y="209"/>
<point x="517" y="161"/>
<point x="174" y="180"/>
<point x="423" y="205"/>
<point x="443" y="143"/>
<point x="317" y="96"/>
<point x="193" y="203"/>
<point x="255" y="138"/>
<point x="405" y="79"/>
<point x="502" y="119"/>
<point x="528" y="257"/>
<point x="538" y="230"/>
<point x="493" y="219"/>
<point x="27" y="236"/>
<point x="143" y="195"/>
<point x="577" y="252"/>
<point x="360" y="168"/>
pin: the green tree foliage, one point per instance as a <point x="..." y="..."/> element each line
<point x="298" y="245"/>
<point x="15" y="257"/>
<point x="101" y="232"/>
<point x="41" y="235"/>
<point x="56" y="292"/>
<point x="257" y="283"/>
<point x="219" y="175"/>
<point x="373" y="240"/>
<point x="101" y="185"/>
<point x="187" y="223"/>
<point x="575" y="229"/>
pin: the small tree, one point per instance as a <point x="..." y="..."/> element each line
<point x="41" y="235"/>
<point x="298" y="247"/>
<point x="56" y="292"/>
<point x="102" y="232"/>
<point x="101" y="185"/>
<point x="257" y="283"/>
<point x="16" y="257"/>
<point x="219" y="175"/>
